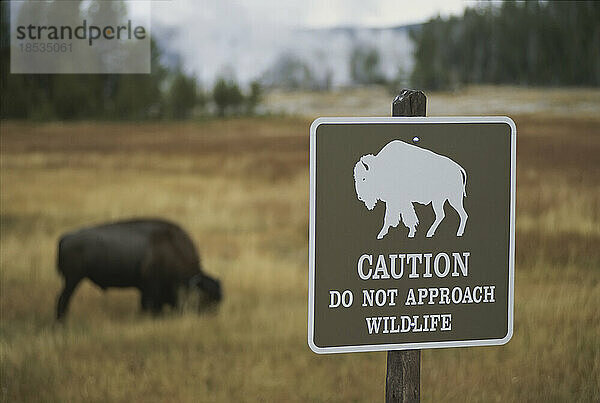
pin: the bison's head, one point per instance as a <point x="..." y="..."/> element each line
<point x="209" y="289"/>
<point x="212" y="288"/>
<point x="363" y="183"/>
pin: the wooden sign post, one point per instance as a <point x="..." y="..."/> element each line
<point x="411" y="235"/>
<point x="403" y="376"/>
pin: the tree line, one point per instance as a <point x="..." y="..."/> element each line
<point x="520" y="43"/>
<point x="167" y="92"/>
<point x="523" y="43"/>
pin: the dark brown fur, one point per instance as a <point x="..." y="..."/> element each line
<point x="155" y="256"/>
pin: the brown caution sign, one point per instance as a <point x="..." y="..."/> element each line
<point x="412" y="233"/>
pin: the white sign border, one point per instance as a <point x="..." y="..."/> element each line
<point x="311" y="240"/>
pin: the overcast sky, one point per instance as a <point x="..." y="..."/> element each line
<point x="371" y="13"/>
<point x="309" y="13"/>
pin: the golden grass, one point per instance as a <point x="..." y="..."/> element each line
<point x="240" y="187"/>
<point x="465" y="101"/>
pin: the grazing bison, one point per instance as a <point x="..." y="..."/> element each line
<point x="402" y="174"/>
<point x="155" y="256"/>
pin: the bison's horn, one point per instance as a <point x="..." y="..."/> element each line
<point x="195" y="280"/>
<point x="366" y="159"/>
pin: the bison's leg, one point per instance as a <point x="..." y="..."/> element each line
<point x="438" y="208"/>
<point x="155" y="305"/>
<point x="151" y="298"/>
<point x="409" y="218"/>
<point x="171" y="297"/>
<point x="65" y="296"/>
<point x="457" y="203"/>
<point x="391" y="219"/>
<point x="145" y="301"/>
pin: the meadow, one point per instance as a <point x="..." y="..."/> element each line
<point x="240" y="188"/>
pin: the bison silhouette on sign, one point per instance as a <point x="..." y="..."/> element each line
<point x="402" y="174"/>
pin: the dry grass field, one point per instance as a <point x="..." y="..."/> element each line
<point x="240" y="187"/>
<point x="467" y="100"/>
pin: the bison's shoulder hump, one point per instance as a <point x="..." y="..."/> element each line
<point x="399" y="149"/>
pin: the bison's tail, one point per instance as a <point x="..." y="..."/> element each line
<point x="464" y="177"/>
<point x="59" y="256"/>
